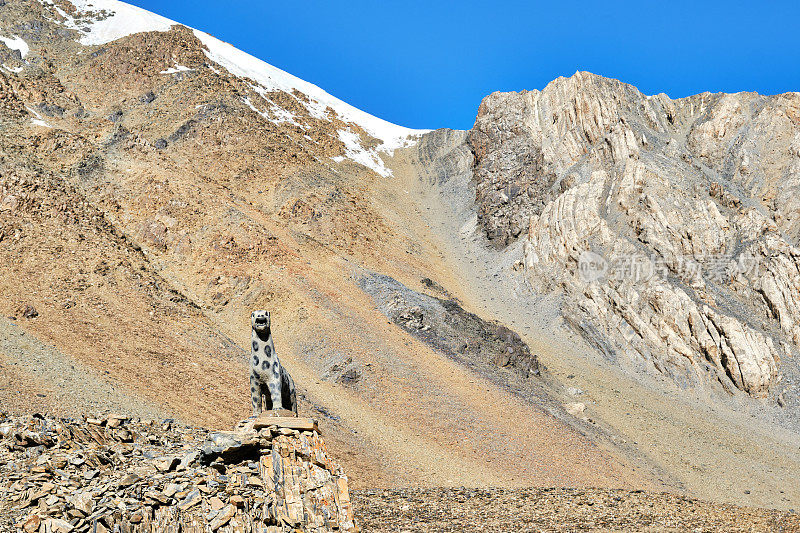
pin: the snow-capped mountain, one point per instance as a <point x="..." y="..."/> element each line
<point x="99" y="22"/>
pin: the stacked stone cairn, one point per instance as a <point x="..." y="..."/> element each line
<point x="114" y="474"/>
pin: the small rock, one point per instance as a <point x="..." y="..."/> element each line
<point x="188" y="460"/>
<point x="156" y="497"/>
<point x="123" y="435"/>
<point x="215" y="503"/>
<point x="56" y="525"/>
<point x="32" y="524"/>
<point x="223" y="517"/>
<point x="192" y="499"/>
<point x="167" y="464"/>
<point x="575" y="409"/>
<point x="128" y="480"/>
<point x="82" y="502"/>
<point x="115" y="420"/>
<point x="171" y="489"/>
<point x="42" y="492"/>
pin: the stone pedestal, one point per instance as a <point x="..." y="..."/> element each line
<point x="271" y="474"/>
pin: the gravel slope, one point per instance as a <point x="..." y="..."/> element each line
<point x="64" y="385"/>
<point x="500" y="510"/>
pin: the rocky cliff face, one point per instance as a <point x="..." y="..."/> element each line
<point x="669" y="225"/>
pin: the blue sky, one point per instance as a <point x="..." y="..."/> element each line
<point x="428" y="64"/>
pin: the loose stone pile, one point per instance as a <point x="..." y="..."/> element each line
<point x="116" y="474"/>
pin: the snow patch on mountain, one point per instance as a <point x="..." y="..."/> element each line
<point x="176" y="69"/>
<point x="110" y="20"/>
<point x="113" y="20"/>
<point x="268" y="78"/>
<point x="278" y="113"/>
<point x="356" y="152"/>
<point x="38" y="121"/>
<point x="271" y="78"/>
<point x="16" y="43"/>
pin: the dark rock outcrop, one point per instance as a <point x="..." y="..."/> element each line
<point x="448" y="327"/>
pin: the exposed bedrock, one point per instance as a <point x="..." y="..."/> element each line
<point x="669" y="225"/>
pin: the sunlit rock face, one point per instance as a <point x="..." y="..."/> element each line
<point x="669" y="225"/>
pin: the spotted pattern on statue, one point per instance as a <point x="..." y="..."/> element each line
<point x="271" y="386"/>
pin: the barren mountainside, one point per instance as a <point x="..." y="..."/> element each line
<point x="591" y="288"/>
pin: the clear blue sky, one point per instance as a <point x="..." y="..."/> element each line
<point x="427" y="64"/>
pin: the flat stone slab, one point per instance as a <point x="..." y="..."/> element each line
<point x="289" y="422"/>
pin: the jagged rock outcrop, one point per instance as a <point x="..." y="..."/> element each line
<point x="667" y="224"/>
<point x="115" y="474"/>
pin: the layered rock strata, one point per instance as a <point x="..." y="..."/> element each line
<point x="667" y="224"/>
